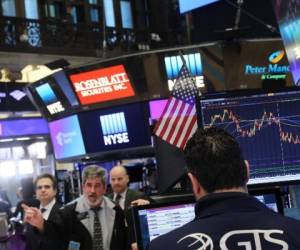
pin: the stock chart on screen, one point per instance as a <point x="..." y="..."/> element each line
<point x="267" y="127"/>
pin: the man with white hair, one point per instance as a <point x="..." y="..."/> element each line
<point x="91" y="222"/>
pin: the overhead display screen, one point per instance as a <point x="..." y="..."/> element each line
<point x="117" y="128"/>
<point x="288" y="15"/>
<point x="102" y="85"/>
<point x="50" y="97"/>
<point x="66" y="137"/>
<point x="266" y="125"/>
<point x="23" y="127"/>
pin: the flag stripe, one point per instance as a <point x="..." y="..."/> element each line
<point x="184" y="123"/>
<point x="185" y="130"/>
<point x="190" y="131"/>
<point x="178" y="123"/>
<point x="172" y="121"/>
<point x="164" y="116"/>
<point x="168" y="118"/>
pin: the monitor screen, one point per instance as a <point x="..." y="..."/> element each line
<point x="65" y="85"/>
<point x="23" y="127"/>
<point x="173" y="65"/>
<point x="157" y="219"/>
<point x="188" y="5"/>
<point x="288" y="15"/>
<point x="66" y="138"/>
<point x="266" y="127"/>
<point x="101" y="85"/>
<point x="50" y="97"/>
<point x="117" y="128"/>
<point x="156" y="108"/>
<point x="270" y="197"/>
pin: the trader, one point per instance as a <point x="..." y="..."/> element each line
<point x="46" y="189"/>
<point x="125" y="198"/>
<point x="226" y="216"/>
<point x="90" y="222"/>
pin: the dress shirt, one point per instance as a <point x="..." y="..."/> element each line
<point x="122" y="199"/>
<point x="48" y="209"/>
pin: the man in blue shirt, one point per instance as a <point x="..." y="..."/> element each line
<point x="226" y="216"/>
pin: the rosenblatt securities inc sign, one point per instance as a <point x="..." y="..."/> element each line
<point x="102" y="85"/>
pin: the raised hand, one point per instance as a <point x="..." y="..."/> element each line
<point x="34" y="217"/>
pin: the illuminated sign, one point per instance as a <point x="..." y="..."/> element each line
<point x="273" y="70"/>
<point x="102" y="85"/>
<point x="114" y="128"/>
<point x="48" y="96"/>
<point x="66" y="137"/>
<point x="173" y="65"/>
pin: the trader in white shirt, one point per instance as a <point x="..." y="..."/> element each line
<point x="45" y="190"/>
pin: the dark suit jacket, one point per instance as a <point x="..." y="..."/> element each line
<point x="67" y="227"/>
<point x="131" y="195"/>
<point x="33" y="236"/>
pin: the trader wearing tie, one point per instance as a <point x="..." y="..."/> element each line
<point x="91" y="222"/>
<point x="125" y="198"/>
<point x="45" y="189"/>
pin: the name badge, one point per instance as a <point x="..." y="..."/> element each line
<point x="73" y="245"/>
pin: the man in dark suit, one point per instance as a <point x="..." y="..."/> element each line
<point x="125" y="198"/>
<point x="91" y="222"/>
<point x="46" y="189"/>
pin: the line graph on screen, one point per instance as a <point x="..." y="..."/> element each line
<point x="267" y="127"/>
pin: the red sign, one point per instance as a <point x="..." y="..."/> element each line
<point x="102" y="85"/>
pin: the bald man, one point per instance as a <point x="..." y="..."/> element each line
<point x="125" y="197"/>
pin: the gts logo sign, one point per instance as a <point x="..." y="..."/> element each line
<point x="114" y="129"/>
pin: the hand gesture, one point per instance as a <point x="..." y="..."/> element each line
<point x="33" y="216"/>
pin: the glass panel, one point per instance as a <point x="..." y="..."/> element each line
<point x="94" y="15"/>
<point x="8" y="8"/>
<point x="31" y="9"/>
<point x="74" y="14"/>
<point x="126" y="15"/>
<point x="109" y="13"/>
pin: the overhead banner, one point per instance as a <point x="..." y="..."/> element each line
<point x="102" y="85"/>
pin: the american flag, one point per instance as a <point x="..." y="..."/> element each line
<point x="178" y="121"/>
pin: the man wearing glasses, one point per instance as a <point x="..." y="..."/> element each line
<point x="45" y="190"/>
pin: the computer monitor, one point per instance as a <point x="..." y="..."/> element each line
<point x="270" y="197"/>
<point x="157" y="219"/>
<point x="266" y="125"/>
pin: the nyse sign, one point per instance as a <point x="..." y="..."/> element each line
<point x="116" y="139"/>
<point x="199" y="80"/>
<point x="55" y="108"/>
<point x="114" y="129"/>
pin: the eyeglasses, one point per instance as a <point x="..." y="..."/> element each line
<point x="43" y="186"/>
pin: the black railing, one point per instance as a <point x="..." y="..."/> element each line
<point x="40" y="36"/>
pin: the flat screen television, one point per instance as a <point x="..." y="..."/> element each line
<point x="266" y="125"/>
<point x="288" y="16"/>
<point x="67" y="138"/>
<point x="118" y="128"/>
<point x="53" y="100"/>
<point x="23" y="127"/>
<point x="270" y="197"/>
<point x="102" y="84"/>
<point x="156" y="219"/>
